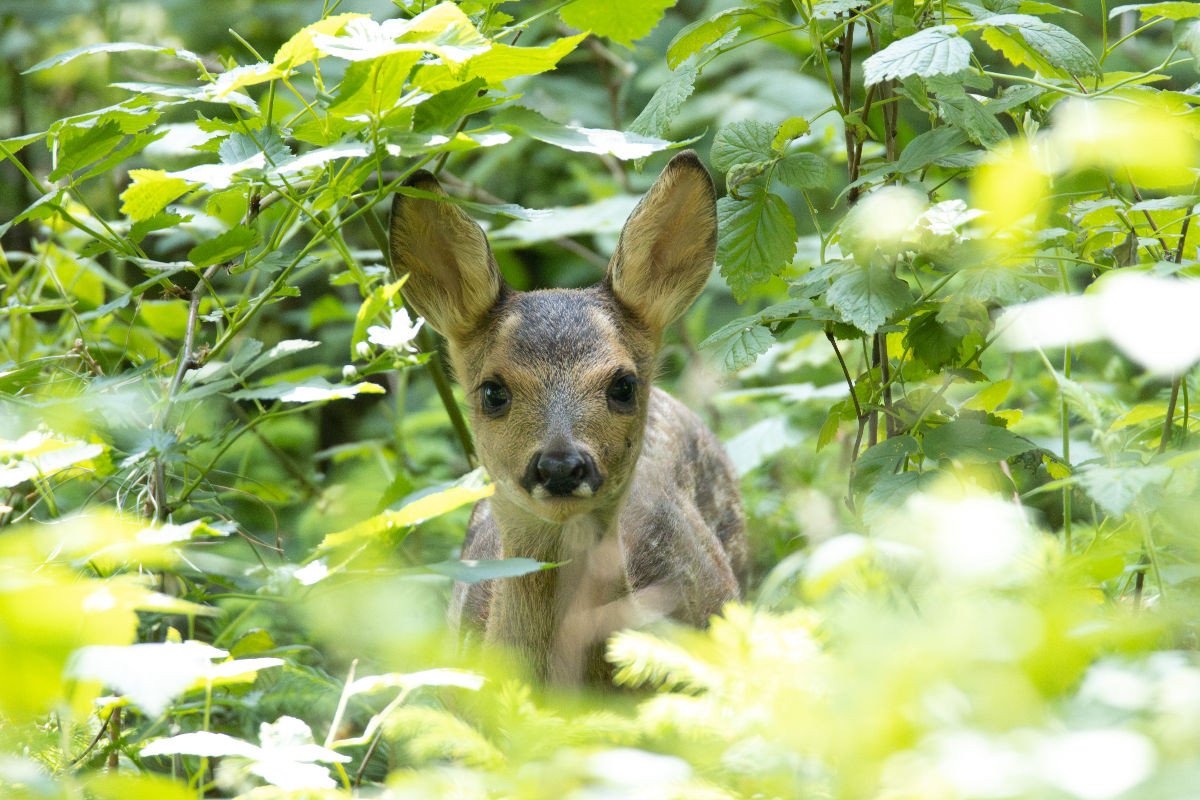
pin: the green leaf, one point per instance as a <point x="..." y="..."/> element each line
<point x="742" y="143"/>
<point x="224" y="247"/>
<point x="700" y="34"/>
<point x="933" y="51"/>
<point x="928" y="147"/>
<point x="443" y="30"/>
<point x="79" y="146"/>
<point x="967" y="113"/>
<point x="114" y="47"/>
<point x="668" y="98"/>
<point x="1115" y="489"/>
<point x="738" y="344"/>
<point x="416" y="508"/>
<point x="625" y="146"/>
<point x="242" y="147"/>
<point x="757" y="240"/>
<point x="791" y="128"/>
<point x="149" y="192"/>
<point x="474" y="571"/>
<point x="1170" y="10"/>
<point x="963" y="440"/>
<point x="313" y="390"/>
<point x="882" y="459"/>
<point x="373" y="86"/>
<point x="867" y="296"/>
<point x="802" y="171"/>
<point x="501" y="61"/>
<point x="1057" y="46"/>
<point x="300" y="49"/>
<point x="623" y="21"/>
<point x="932" y="344"/>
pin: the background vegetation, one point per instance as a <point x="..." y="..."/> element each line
<point x="950" y="346"/>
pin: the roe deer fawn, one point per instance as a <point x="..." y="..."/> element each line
<point x="594" y="469"/>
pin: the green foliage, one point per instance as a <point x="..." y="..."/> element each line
<point x="958" y="268"/>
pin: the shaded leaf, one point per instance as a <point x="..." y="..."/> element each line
<point x="757" y="240"/>
<point x="867" y="296"/>
<point x="964" y="440"/>
<point x="473" y="571"/>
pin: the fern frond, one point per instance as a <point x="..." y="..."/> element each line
<point x="643" y="659"/>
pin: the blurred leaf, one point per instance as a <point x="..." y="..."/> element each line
<point x="1170" y="10"/>
<point x="625" y="146"/>
<point x="473" y="571"/>
<point x="963" y="440"/>
<point x="113" y="47"/>
<point x="312" y="390"/>
<point x="1115" y="489"/>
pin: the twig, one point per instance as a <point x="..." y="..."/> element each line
<point x="1167" y="423"/>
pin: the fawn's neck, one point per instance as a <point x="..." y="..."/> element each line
<point x="558" y="619"/>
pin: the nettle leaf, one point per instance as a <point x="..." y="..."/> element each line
<point x="300" y="49"/>
<point x="745" y="142"/>
<point x="739" y="343"/>
<point x="970" y="115"/>
<point x="474" y="571"/>
<point x="149" y="192"/>
<point x="964" y="440"/>
<point x="1115" y="489"/>
<point x="77" y="147"/>
<point x="931" y="342"/>
<point x="802" y="171"/>
<point x="1170" y="10"/>
<point x="757" y="240"/>
<point x="224" y="247"/>
<point x="114" y="47"/>
<point x="928" y="147"/>
<point x="623" y="21"/>
<point x="668" y="98"/>
<point x="443" y="30"/>
<point x="867" y="296"/>
<point x="700" y="34"/>
<point x="1059" y="48"/>
<point x="933" y="51"/>
<point x="625" y="146"/>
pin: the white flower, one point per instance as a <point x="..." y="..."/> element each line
<point x="363" y="350"/>
<point x="399" y="336"/>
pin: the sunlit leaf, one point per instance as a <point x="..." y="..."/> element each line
<point x="623" y="21"/>
<point x="114" y="47"/>
<point x="934" y="51"/>
<point x="473" y="571"/>
<point x="149" y="192"/>
<point x="624" y="146"/>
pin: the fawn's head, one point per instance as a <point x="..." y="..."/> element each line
<point x="558" y="380"/>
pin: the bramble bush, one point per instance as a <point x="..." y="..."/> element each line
<point x="956" y="288"/>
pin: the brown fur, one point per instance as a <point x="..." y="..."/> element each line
<point x="662" y="534"/>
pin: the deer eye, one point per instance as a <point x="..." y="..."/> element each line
<point x="494" y="397"/>
<point x="622" y="392"/>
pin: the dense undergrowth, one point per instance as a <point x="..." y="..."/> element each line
<point x="950" y="345"/>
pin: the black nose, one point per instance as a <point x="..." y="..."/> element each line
<point x="562" y="471"/>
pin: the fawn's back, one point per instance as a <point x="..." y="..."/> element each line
<point x="594" y="469"/>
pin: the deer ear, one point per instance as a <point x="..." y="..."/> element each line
<point x="667" y="246"/>
<point x="453" y="279"/>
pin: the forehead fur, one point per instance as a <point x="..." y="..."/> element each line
<point x="563" y="328"/>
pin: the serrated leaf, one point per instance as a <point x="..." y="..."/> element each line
<point x="474" y="571"/>
<point x="964" y="440"/>
<point x="224" y="247"/>
<point x="967" y="113"/>
<point x="443" y="30"/>
<point x="501" y="61"/>
<point x="149" y="192"/>
<point x="867" y="296"/>
<point x="700" y="34"/>
<point x="882" y="459"/>
<point x="1115" y="489"/>
<point x="625" y="146"/>
<point x="1057" y="46"/>
<point x="933" y="51"/>
<point x="1171" y="10"/>
<point x="926" y="148"/>
<point x="300" y="49"/>
<point x="745" y="142"/>
<point x="757" y="240"/>
<point x="623" y="21"/>
<point x="668" y="98"/>
<point x="114" y="47"/>
<point x="77" y="146"/>
<point x="802" y="171"/>
<point x="738" y="344"/>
